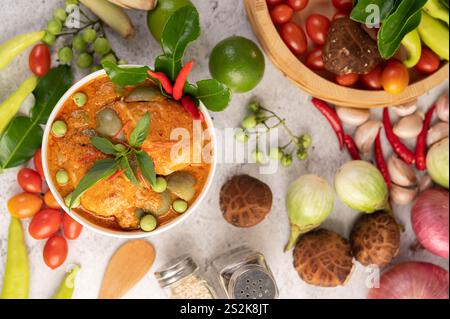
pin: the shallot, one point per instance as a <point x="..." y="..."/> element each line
<point x="402" y="195"/>
<point x="442" y="108"/>
<point x="430" y="220"/>
<point x="406" y="109"/>
<point x="437" y="133"/>
<point x="409" y="126"/>
<point x="351" y="116"/>
<point x="366" y="135"/>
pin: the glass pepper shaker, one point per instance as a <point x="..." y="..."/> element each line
<point x="244" y="274"/>
<point x="181" y="279"/>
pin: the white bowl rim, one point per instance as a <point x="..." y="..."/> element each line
<point x="103" y="230"/>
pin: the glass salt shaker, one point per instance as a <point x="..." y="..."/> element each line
<point x="181" y="279"/>
<point x="244" y="274"/>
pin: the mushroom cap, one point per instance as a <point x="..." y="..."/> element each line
<point x="375" y="239"/>
<point x="323" y="258"/>
<point x="245" y="201"/>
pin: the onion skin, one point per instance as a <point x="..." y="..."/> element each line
<point x="430" y="221"/>
<point x="412" y="280"/>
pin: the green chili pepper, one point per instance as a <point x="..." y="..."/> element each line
<point x="17" y="274"/>
<point x="65" y="290"/>
<point x="437" y="10"/>
<point x="16" y="45"/>
<point x="413" y="45"/>
<point x="434" y="34"/>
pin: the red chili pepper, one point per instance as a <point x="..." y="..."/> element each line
<point x="163" y="79"/>
<point x="190" y="106"/>
<point x="332" y="117"/>
<point x="381" y="162"/>
<point x="122" y="130"/>
<point x="399" y="148"/>
<point x="352" y="147"/>
<point x="116" y="175"/>
<point x="421" y="147"/>
<point x="180" y="82"/>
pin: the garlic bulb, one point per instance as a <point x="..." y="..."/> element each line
<point x="403" y="196"/>
<point x="442" y="108"/>
<point x="409" y="126"/>
<point x="437" y="133"/>
<point x="401" y="173"/>
<point x="405" y="110"/>
<point x="355" y="117"/>
<point x="425" y="183"/>
<point x="366" y="134"/>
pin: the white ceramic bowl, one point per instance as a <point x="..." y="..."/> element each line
<point x="103" y="230"/>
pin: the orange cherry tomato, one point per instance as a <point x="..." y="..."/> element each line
<point x="314" y="60"/>
<point x="29" y="180"/>
<point x="55" y="251"/>
<point x="294" y="37"/>
<point x="272" y="3"/>
<point x="40" y="60"/>
<point x="24" y="205"/>
<point x="317" y="26"/>
<point x="395" y="77"/>
<point x="50" y="200"/>
<point x="45" y="224"/>
<point x="72" y="228"/>
<point x="347" y="79"/>
<point x="281" y="14"/>
<point x="297" y="5"/>
<point x="343" y="5"/>
<point x="372" y="80"/>
<point x="429" y="62"/>
<point x="37" y="160"/>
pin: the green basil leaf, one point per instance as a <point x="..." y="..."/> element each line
<point x="363" y="11"/>
<point x="19" y="142"/>
<point x="147" y="167"/>
<point x="102" y="169"/>
<point x="168" y="66"/>
<point x="140" y="133"/>
<point x="128" y="171"/>
<point x="103" y="145"/>
<point x="405" y="19"/>
<point x="182" y="28"/>
<point x="213" y="94"/>
<point x="49" y="91"/>
<point x="125" y="76"/>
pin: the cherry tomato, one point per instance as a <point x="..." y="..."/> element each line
<point x="272" y="3"/>
<point x="24" y="205"/>
<point x="343" y="5"/>
<point x="55" y="251"/>
<point x="50" y="200"/>
<point x="395" y="77"/>
<point x="297" y="5"/>
<point x="372" y="80"/>
<point x="37" y="160"/>
<point x="45" y="224"/>
<point x="314" y="60"/>
<point x="339" y="15"/>
<point x="29" y="180"/>
<point x="317" y="27"/>
<point x="347" y="79"/>
<point x="72" y="228"/>
<point x="294" y="37"/>
<point x="429" y="62"/>
<point x="40" y="60"/>
<point x="281" y="14"/>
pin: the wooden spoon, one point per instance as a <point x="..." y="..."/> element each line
<point x="126" y="268"/>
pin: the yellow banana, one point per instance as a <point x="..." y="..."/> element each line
<point x="434" y="34"/>
<point x="16" y="45"/>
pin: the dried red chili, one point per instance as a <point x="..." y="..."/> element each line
<point x="380" y="161"/>
<point x="163" y="79"/>
<point x="332" y="117"/>
<point x="180" y="82"/>
<point x="190" y="106"/>
<point x="421" y="147"/>
<point x="352" y="147"/>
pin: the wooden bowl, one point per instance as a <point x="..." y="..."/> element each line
<point x="318" y="86"/>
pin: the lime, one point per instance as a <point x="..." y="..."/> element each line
<point x="158" y="17"/>
<point x="238" y="63"/>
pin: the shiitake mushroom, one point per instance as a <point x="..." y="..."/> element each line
<point x="245" y="201"/>
<point x="323" y="258"/>
<point x="375" y="239"/>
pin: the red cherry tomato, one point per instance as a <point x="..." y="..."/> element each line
<point x="45" y="224"/>
<point x="272" y="3"/>
<point x="24" y="205"/>
<point x="55" y="251"/>
<point x="395" y="77"/>
<point x="40" y="60"/>
<point x="51" y="201"/>
<point x="37" y="160"/>
<point x="347" y="79"/>
<point x="72" y="228"/>
<point x="29" y="180"/>
<point x="343" y="5"/>
<point x="281" y="14"/>
<point x="429" y="62"/>
<point x="339" y="15"/>
<point x="297" y="5"/>
<point x="314" y="60"/>
<point x="317" y="27"/>
<point x="294" y="37"/>
<point x="372" y="80"/>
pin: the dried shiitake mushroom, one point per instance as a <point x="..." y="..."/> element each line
<point x="375" y="239"/>
<point x="245" y="201"/>
<point x="323" y="258"/>
<point x="349" y="49"/>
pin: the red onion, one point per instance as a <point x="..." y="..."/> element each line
<point x="412" y="280"/>
<point x="430" y="216"/>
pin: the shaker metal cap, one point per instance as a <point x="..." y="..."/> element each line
<point x="176" y="270"/>
<point x="252" y="282"/>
